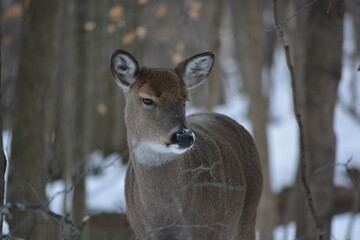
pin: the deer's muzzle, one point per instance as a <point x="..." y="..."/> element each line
<point x="184" y="138"/>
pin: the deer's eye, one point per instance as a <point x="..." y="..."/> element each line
<point x="148" y="101"/>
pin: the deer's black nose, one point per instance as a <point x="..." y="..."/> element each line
<point x="184" y="138"/>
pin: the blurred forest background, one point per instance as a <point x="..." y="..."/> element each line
<point x="59" y="102"/>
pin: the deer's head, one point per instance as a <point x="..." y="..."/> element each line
<point x="156" y="98"/>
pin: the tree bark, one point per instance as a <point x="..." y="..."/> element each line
<point x="3" y="161"/>
<point x="318" y="62"/>
<point x="250" y="43"/>
<point x="201" y="23"/>
<point x="31" y="133"/>
<point x="83" y="118"/>
<point x="109" y="101"/>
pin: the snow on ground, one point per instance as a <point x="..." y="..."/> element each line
<point x="104" y="190"/>
<point x="345" y="227"/>
<point x="109" y="184"/>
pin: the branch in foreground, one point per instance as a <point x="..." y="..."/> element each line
<point x="277" y="25"/>
<point x="3" y="161"/>
<point x="210" y="226"/>
<point x="290" y="66"/>
<point x="5" y="210"/>
<point x="356" y="203"/>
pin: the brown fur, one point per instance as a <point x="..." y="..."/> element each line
<point x="209" y="192"/>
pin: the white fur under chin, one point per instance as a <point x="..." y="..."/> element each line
<point x="154" y="154"/>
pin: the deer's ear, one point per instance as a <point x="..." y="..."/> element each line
<point x="124" y="68"/>
<point x="195" y="69"/>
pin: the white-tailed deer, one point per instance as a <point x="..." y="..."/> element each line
<point x="189" y="177"/>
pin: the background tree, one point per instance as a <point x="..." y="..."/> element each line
<point x="3" y="161"/>
<point x="250" y="48"/>
<point x="318" y="64"/>
<point x="90" y="99"/>
<point x="31" y="142"/>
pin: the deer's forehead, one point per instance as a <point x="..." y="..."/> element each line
<point x="163" y="84"/>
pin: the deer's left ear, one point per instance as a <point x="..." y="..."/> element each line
<point x="195" y="69"/>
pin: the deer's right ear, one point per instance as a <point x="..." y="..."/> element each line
<point x="124" y="68"/>
<point x="195" y="69"/>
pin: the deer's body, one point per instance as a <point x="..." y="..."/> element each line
<point x="195" y="177"/>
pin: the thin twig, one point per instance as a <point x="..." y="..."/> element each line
<point x="85" y="174"/>
<point x="356" y="201"/>
<point x="75" y="231"/>
<point x="290" y="66"/>
<point x="329" y="6"/>
<point x="3" y="161"/>
<point x="353" y="180"/>
<point x="212" y="184"/>
<point x="207" y="226"/>
<point x="277" y="25"/>
<point x="351" y="109"/>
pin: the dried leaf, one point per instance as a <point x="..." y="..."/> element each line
<point x="161" y="11"/>
<point x="90" y="26"/>
<point x="180" y="46"/>
<point x="15" y="10"/>
<point x="128" y="38"/>
<point x="27" y="4"/>
<point x="176" y="58"/>
<point x="195" y="10"/>
<point x="141" y="32"/>
<point x="110" y="28"/>
<point x="142" y="2"/>
<point x="8" y="40"/>
<point x="116" y="13"/>
<point x="121" y="24"/>
<point x="101" y="108"/>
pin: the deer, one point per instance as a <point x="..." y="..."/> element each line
<point x="188" y="177"/>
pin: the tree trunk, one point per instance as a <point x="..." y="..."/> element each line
<point x="117" y="26"/>
<point x="201" y="23"/>
<point x="64" y="155"/>
<point x="83" y="118"/>
<point x="318" y="62"/>
<point x="31" y="133"/>
<point x="3" y="161"/>
<point x="250" y="43"/>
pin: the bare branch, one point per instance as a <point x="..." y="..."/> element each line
<point x="212" y="184"/>
<point x="353" y="180"/>
<point x="156" y="230"/>
<point x="277" y="25"/>
<point x="356" y="201"/>
<point x="290" y="66"/>
<point x="311" y="236"/>
<point x="198" y="170"/>
<point x="3" y="161"/>
<point x="208" y="226"/>
<point x="5" y="210"/>
<point x="87" y="172"/>
<point x="351" y="109"/>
